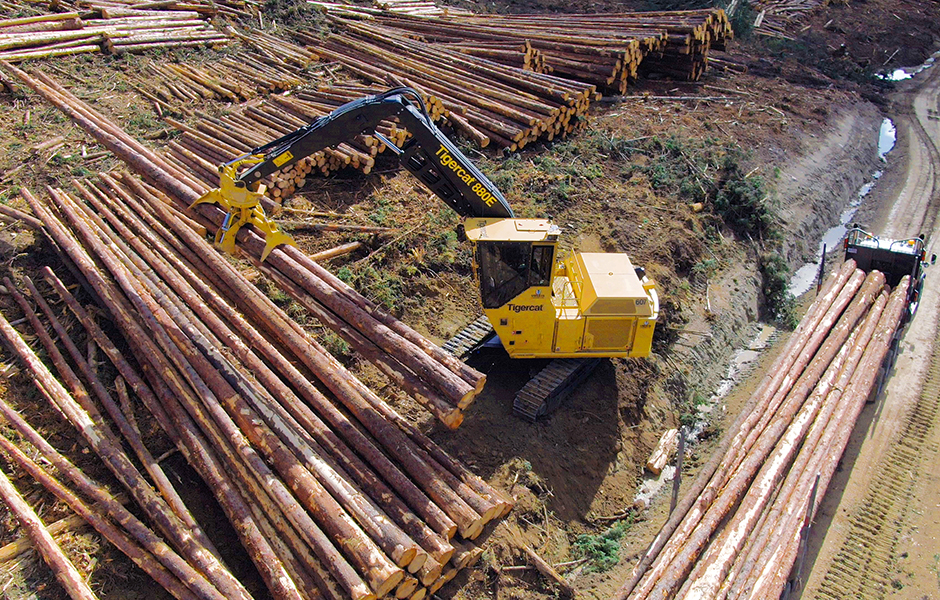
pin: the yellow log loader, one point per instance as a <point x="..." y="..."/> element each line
<point x="577" y="309"/>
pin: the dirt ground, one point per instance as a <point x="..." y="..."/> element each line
<point x="804" y="119"/>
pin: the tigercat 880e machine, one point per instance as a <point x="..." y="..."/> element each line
<point x="576" y="309"/>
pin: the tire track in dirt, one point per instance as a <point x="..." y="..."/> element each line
<point x="916" y="208"/>
<point x="862" y="567"/>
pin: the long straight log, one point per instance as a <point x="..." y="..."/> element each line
<point x="196" y="451"/>
<point x="124" y="470"/>
<point x="394" y="541"/>
<point x="689" y="510"/>
<point x="196" y="582"/>
<point x="795" y="418"/>
<point x="449" y="414"/>
<point x="830" y="399"/>
<point x="130" y="435"/>
<point x="744" y="465"/>
<point x="259" y="306"/>
<point x="63" y="569"/>
<point x="175" y="344"/>
<point x="131" y="547"/>
<point x="135" y="154"/>
<point x="467" y="373"/>
<point x="837" y="435"/>
<point x="193" y="446"/>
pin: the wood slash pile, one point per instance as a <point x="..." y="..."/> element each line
<point x="738" y="532"/>
<point x="214" y="141"/>
<point x="775" y="18"/>
<point x="333" y="494"/>
<point x="104" y="28"/>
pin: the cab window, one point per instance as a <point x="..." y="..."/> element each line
<point x="504" y="271"/>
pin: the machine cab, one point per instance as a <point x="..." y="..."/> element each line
<point x="586" y="305"/>
<point x="511" y="256"/>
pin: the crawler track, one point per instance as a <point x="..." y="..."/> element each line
<point x="469" y="338"/>
<point x="544" y="392"/>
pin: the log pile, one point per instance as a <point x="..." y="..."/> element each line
<point x="207" y="8"/>
<point x="488" y="101"/>
<point x="334" y="494"/>
<point x="212" y="141"/>
<point x="513" y="79"/>
<point x="425" y="8"/>
<point x="738" y="532"/>
<point x="246" y="75"/>
<point x="608" y="50"/>
<point x="111" y="32"/>
<point x="442" y="384"/>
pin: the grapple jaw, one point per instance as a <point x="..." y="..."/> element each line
<point x="242" y="206"/>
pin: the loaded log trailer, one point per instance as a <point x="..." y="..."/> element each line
<point x="895" y="259"/>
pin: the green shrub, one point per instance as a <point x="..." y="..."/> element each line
<point x="781" y="305"/>
<point x="742" y="21"/>
<point x="704" y="170"/>
<point x="335" y="345"/>
<point x="603" y="549"/>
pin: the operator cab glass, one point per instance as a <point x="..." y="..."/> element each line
<point x="509" y="268"/>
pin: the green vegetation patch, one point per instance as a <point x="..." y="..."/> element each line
<point x="780" y="303"/>
<point x="603" y="549"/>
<point x="707" y="171"/>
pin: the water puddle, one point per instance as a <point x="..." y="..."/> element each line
<point x="743" y="363"/>
<point x="806" y="276"/>
<point x="887" y="138"/>
<point x="908" y="72"/>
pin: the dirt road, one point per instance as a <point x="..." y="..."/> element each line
<point x="876" y="531"/>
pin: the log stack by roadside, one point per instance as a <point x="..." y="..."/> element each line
<point x="738" y="531"/>
<point x="334" y="494"/>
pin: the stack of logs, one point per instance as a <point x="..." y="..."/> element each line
<point x="207" y="8"/>
<point x="488" y="101"/>
<point x="444" y="385"/>
<point x="514" y="79"/>
<point x="424" y="8"/>
<point x="334" y="496"/>
<point x="738" y="532"/>
<point x="242" y="76"/>
<point x="118" y="31"/>
<point x="213" y="141"/>
<point x="608" y="50"/>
